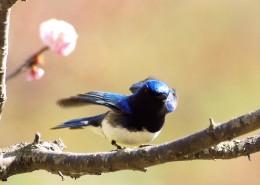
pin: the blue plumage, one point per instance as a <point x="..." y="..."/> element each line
<point x="132" y="119"/>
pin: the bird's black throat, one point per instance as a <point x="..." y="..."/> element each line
<point x="146" y="115"/>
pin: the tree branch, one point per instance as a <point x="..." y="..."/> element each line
<point x="49" y="156"/>
<point x="228" y="150"/>
<point x="4" y="25"/>
<point x="5" y="9"/>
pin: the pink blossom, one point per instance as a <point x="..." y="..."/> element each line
<point x="36" y="73"/>
<point x="59" y="36"/>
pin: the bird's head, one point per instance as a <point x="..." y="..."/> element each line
<point x="154" y="95"/>
<point x="157" y="89"/>
<point x="160" y="92"/>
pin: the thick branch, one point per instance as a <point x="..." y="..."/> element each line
<point x="5" y="9"/>
<point x="49" y="156"/>
<point x="228" y="150"/>
<point x="4" y="25"/>
<point x="7" y="4"/>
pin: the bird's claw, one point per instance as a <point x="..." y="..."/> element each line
<point x="143" y="145"/>
<point x="118" y="147"/>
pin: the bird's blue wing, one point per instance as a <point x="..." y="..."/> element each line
<point x="112" y="100"/>
<point x="136" y="86"/>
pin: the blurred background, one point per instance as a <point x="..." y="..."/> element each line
<point x="209" y="51"/>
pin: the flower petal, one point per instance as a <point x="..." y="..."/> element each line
<point x="59" y="36"/>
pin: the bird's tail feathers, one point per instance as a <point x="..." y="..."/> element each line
<point x="73" y="124"/>
<point x="82" y="122"/>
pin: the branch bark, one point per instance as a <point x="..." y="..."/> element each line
<point x="5" y="9"/>
<point x="49" y="156"/>
<point x="228" y="150"/>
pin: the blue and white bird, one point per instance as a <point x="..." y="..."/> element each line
<point x="134" y="119"/>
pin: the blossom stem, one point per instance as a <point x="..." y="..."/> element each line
<point x="27" y="64"/>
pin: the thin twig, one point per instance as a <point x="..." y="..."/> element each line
<point x="27" y="64"/>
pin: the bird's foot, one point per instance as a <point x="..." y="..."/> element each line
<point x="118" y="147"/>
<point x="142" y="146"/>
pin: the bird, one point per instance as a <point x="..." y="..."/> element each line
<point x="132" y="120"/>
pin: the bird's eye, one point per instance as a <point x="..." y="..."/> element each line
<point x="146" y="89"/>
<point x="162" y="96"/>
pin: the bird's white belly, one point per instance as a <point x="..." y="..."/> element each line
<point x="125" y="137"/>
